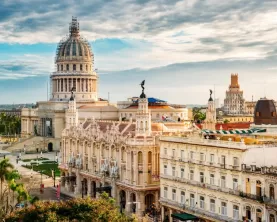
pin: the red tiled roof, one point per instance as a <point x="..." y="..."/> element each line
<point x="229" y="126"/>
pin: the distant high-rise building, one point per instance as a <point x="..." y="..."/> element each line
<point x="234" y="103"/>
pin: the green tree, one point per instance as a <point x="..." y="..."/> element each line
<point x="102" y="209"/>
<point x="5" y="171"/>
<point x="198" y="115"/>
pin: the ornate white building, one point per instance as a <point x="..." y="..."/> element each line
<point x="215" y="180"/>
<point x="121" y="158"/>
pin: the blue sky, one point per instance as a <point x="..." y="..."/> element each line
<point x="181" y="48"/>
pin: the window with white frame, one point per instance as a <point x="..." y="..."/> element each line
<point x="235" y="183"/>
<point x="202" y="157"/>
<point x="235" y="212"/>
<point x="173" y="171"/>
<point x="212" y="179"/>
<point x="165" y="192"/>
<point x="183" y="200"/>
<point x="182" y="155"/>
<point x="224" y="208"/>
<point x="191" y="155"/>
<point x="182" y="173"/>
<point x="201" y="177"/>
<point x="173" y="194"/>
<point x="202" y="202"/>
<point x="173" y="152"/>
<point x="191" y="175"/>
<point x="235" y="161"/>
<point x="212" y="158"/>
<point x="165" y="169"/>
<point x="212" y="205"/>
<point x="165" y="151"/>
<point x="223" y="181"/>
<point x="191" y="200"/>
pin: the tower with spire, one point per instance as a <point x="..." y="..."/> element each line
<point x="71" y="113"/>
<point x="143" y="116"/>
<point x="210" y="120"/>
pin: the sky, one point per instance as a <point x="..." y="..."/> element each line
<point x="181" y="48"/>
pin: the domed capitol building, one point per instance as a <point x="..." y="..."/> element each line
<point x="75" y="76"/>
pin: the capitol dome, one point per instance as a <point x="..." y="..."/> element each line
<point x="74" y="68"/>
<point x="74" y="47"/>
<point x="265" y="112"/>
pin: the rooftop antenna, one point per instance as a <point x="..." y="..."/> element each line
<point x="264" y="90"/>
<point x="109" y="98"/>
<point x="47" y="89"/>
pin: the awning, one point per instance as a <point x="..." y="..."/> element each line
<point x="184" y="217"/>
<point x="226" y="132"/>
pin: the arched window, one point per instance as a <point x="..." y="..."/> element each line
<point x="74" y="67"/>
<point x="140" y="157"/>
<point x="258" y="188"/>
<point x="81" y="67"/>
<point x="67" y="67"/>
<point x="86" y="67"/>
<point x="149" y="157"/>
<point x="271" y="218"/>
<point x="271" y="192"/>
<point x="235" y="212"/>
<point x="61" y="67"/>
<point x="58" y="67"/>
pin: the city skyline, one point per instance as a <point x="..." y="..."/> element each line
<point x="178" y="48"/>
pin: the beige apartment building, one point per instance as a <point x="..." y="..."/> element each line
<point x="210" y="180"/>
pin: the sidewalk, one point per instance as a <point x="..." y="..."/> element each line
<point x="70" y="194"/>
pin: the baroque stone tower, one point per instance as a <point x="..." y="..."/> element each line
<point x="210" y="120"/>
<point x="71" y="114"/>
<point x="143" y="116"/>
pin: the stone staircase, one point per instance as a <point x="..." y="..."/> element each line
<point x="30" y="144"/>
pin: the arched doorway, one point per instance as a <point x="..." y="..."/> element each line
<point x="258" y="188"/>
<point x="248" y="213"/>
<point x="259" y="215"/>
<point x="133" y="200"/>
<point x="149" y="200"/>
<point x="84" y="187"/>
<point x="50" y="147"/>
<point x="271" y="218"/>
<point x="122" y="199"/>
<point x="93" y="189"/>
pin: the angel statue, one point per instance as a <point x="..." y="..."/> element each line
<point x="114" y="170"/>
<point x="142" y="86"/>
<point x="211" y="92"/>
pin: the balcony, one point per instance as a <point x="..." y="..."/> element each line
<point x="252" y="196"/>
<point x="202" y="213"/>
<point x="269" y="200"/>
<point x="202" y="185"/>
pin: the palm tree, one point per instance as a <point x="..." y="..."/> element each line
<point x="5" y="169"/>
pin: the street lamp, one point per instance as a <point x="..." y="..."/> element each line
<point x="82" y="188"/>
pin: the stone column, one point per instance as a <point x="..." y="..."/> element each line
<point x="78" y="188"/>
<point x="170" y="218"/>
<point x="128" y="205"/>
<point x="114" y="188"/>
<point x="136" y="173"/>
<point x="89" y="188"/>
<point x="60" y="85"/>
<point x="145" y="168"/>
<point x="162" y="213"/>
<point x="142" y="204"/>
